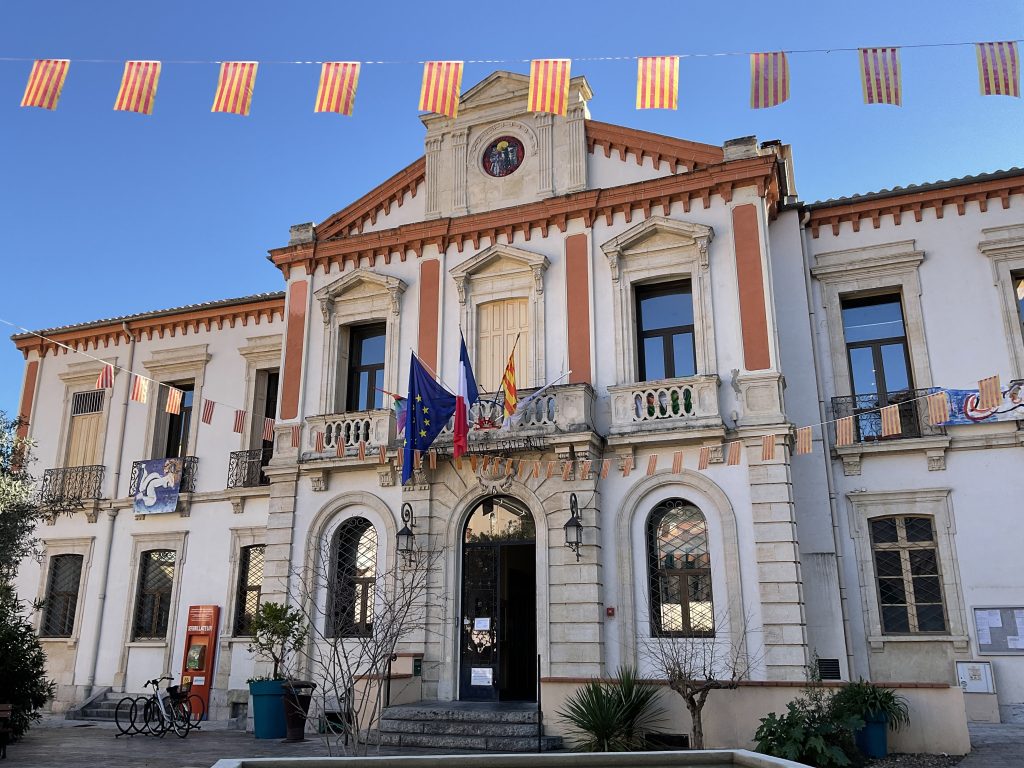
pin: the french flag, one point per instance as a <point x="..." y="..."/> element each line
<point x="466" y="394"/>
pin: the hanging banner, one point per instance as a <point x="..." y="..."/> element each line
<point x="159" y="481"/>
<point x="964" y="406"/>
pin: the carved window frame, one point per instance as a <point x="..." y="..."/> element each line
<point x="261" y="353"/>
<point x="1004" y="247"/>
<point x="680" y="253"/>
<point x="382" y="303"/>
<point x="81" y="377"/>
<point x="168" y="366"/>
<point x="83" y="547"/>
<point x="522" y="278"/>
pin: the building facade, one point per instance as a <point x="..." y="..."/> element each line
<point x="679" y="300"/>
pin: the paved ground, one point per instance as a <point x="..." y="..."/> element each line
<point x="996" y="746"/>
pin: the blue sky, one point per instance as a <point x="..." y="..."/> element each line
<point x="108" y="213"/>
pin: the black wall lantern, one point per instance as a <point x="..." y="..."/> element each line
<point x="573" y="527"/>
<point x="406" y="539"/>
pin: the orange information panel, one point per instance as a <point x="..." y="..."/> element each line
<point x="200" y="647"/>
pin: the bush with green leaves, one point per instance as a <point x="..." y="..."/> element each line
<point x="612" y="715"/>
<point x="278" y="632"/>
<point x="871" y="702"/>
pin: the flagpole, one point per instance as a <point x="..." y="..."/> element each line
<point x="432" y="373"/>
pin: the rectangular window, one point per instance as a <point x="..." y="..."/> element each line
<point x="500" y="327"/>
<point x="907" y="572"/>
<point x="664" y="329"/>
<point x="264" y="407"/>
<point x="366" y="367"/>
<point x="1018" y="290"/>
<point x="173" y="428"/>
<point x="62" y="596"/>
<point x="250" y="583"/>
<point x="86" y="424"/>
<point x="153" y="598"/>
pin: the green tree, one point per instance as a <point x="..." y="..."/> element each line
<point x="23" y="681"/>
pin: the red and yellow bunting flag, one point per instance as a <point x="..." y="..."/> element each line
<point x="585" y="467"/>
<point x="382" y="451"/>
<point x="442" y="86"/>
<point x="990" y="393"/>
<point x="472" y="462"/>
<point x="844" y="431"/>
<point x="732" y="458"/>
<point x="318" y="442"/>
<point x="705" y="457"/>
<point x="362" y="451"/>
<point x="106" y="378"/>
<point x="566" y="469"/>
<point x="803" y="440"/>
<point x="767" y="447"/>
<point x="138" y="87"/>
<point x="234" y="87"/>
<point x="417" y="460"/>
<point x="399" y="458"/>
<point x="998" y="69"/>
<point x="508" y="385"/>
<point x="677" y="462"/>
<point x="938" y="408"/>
<point x="769" y="79"/>
<point x="627" y="466"/>
<point x="45" y="82"/>
<point x="296" y="436"/>
<point x="140" y="389"/>
<point x="173" y="404"/>
<point x="549" y="86"/>
<point x="432" y="454"/>
<point x="485" y="461"/>
<point x="891" y="421"/>
<point x="880" y="75"/>
<point x="339" y="446"/>
<point x="337" y="91"/>
<point x="268" y="429"/>
<point x="239" y="421"/>
<point x="552" y="468"/>
<point x="652" y="464"/>
<point x="657" y="82"/>
<point x="207" y="416"/>
<point x="606" y="466"/>
<point x="524" y="468"/>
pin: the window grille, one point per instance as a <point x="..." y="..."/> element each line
<point x="250" y="584"/>
<point x="153" y="600"/>
<point x="62" y="596"/>
<point x="354" y="556"/>
<point x="680" y="571"/>
<point x="87" y="402"/>
<point x="907" y="572"/>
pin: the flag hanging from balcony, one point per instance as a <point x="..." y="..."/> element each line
<point x="339" y="445"/>
<point x="442" y="86"/>
<point x="627" y="466"/>
<point x="769" y="79"/>
<point x="732" y="458"/>
<point x="208" y="406"/>
<point x="239" y="421"/>
<point x="990" y="394"/>
<point x="704" y="458"/>
<point x="891" y="421"/>
<point x="552" y="468"/>
<point x="430" y="407"/>
<point x="465" y="396"/>
<point x="234" y="87"/>
<point x="159" y="481"/>
<point x="998" y="69"/>
<point x="173" y="404"/>
<point x="106" y="378"/>
<point x="652" y="464"/>
<point x="803" y="440"/>
<point x="362" y="450"/>
<point x="296" y="436"/>
<point x="657" y="82"/>
<point x="508" y="385"/>
<point x="45" y="82"/>
<point x="767" y="447"/>
<point x="337" y="91"/>
<point x="677" y="462"/>
<point x="585" y="467"/>
<point x="844" y="431"/>
<point x="268" y="429"/>
<point x="938" y="408"/>
<point x="880" y="75"/>
<point x="549" y="86"/>
<point x="382" y="454"/>
<point x="566" y="469"/>
<point x="318" y="442"/>
<point x="140" y="389"/>
<point x="138" y="87"/>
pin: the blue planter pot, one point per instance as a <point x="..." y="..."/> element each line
<point x="268" y="709"/>
<point x="873" y="739"/>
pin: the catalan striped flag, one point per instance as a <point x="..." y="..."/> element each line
<point x="938" y="408"/>
<point x="509" y="465"/>
<point x="998" y="69"/>
<point x="138" y="87"/>
<point x="677" y="462"/>
<point x="769" y="79"/>
<point x="767" y="447"/>
<point x="566" y="469"/>
<point x="536" y="469"/>
<point x="705" y="457"/>
<point x="990" y="393"/>
<point x="337" y="91"/>
<point x="652" y="464"/>
<point x="173" y="404"/>
<point x="549" y="86"/>
<point x="382" y="454"/>
<point x="508" y="386"/>
<point x="627" y="466"/>
<point x="891" y="424"/>
<point x="880" y="75"/>
<point x="524" y="469"/>
<point x="45" y="82"/>
<point x="657" y="82"/>
<point x="606" y="466"/>
<point x="106" y="378"/>
<point x="803" y="440"/>
<point x="268" y="429"/>
<point x="362" y="451"/>
<point x="339" y="446"/>
<point x="239" y="421"/>
<point x="296" y="435"/>
<point x="585" y="467"/>
<point x="844" y="431"/>
<point x="732" y="458"/>
<point x="318" y="442"/>
<point x="208" y="406"/>
<point x="140" y="389"/>
<point x="234" y="87"/>
<point x="442" y="86"/>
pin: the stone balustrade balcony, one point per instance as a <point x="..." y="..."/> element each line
<point x="652" y="408"/>
<point x="373" y="428"/>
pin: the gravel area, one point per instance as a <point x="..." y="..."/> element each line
<point x="915" y="761"/>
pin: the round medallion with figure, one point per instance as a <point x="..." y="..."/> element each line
<point x="503" y="156"/>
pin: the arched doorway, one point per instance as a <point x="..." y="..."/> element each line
<point x="498" y="632"/>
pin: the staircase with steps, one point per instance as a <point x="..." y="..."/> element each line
<point x="101" y="708"/>
<point x="491" y="727"/>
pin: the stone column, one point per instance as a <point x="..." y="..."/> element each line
<point x="545" y="153"/>
<point x="460" y="192"/>
<point x="433" y="170"/>
<point x="577" y="149"/>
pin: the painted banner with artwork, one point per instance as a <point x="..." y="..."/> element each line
<point x="159" y="481"/>
<point x="963" y="406"/>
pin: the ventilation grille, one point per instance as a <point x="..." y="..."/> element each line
<point x="87" y="402"/>
<point x="828" y="669"/>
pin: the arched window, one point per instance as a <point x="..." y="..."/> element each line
<point x="680" y="571"/>
<point x="354" y="566"/>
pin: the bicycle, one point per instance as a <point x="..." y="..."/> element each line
<point x="157" y="713"/>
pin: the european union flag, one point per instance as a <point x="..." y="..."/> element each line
<point x="430" y="406"/>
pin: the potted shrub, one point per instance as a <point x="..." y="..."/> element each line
<point x="278" y="631"/>
<point x="880" y="709"/>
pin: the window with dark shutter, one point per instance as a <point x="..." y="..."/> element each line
<point x="62" y="596"/>
<point x="350" y="596"/>
<point x="907" y="573"/>
<point x="680" y="571"/>
<point x="250" y="583"/>
<point x="153" y="596"/>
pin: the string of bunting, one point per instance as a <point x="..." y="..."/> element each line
<point x="657" y="79"/>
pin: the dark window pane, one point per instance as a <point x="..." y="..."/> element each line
<point x="891" y="592"/>
<point x="894" y="619"/>
<point x="684" y="360"/>
<point x="654" y="358"/>
<point x="153" y="603"/>
<point x="250" y="584"/>
<point x="894" y="365"/>
<point x="378" y="395"/>
<point x="918" y="528"/>
<point x="366" y="366"/>
<point x="669" y="310"/>
<point x="372" y="349"/>
<point x="930" y="618"/>
<point x="862" y="369"/>
<point x="351" y="591"/>
<point x="876" y="318"/>
<point x="680" y="574"/>
<point x="923" y="562"/>
<point x="883" y="531"/>
<point x="927" y="589"/>
<point x="62" y="596"/>
<point x="1019" y="290"/>
<point x="888" y="564"/>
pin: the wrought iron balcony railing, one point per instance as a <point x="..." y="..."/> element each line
<point x="69" y="488"/>
<point x="245" y="468"/>
<point x="188" y="476"/>
<point x="867" y="419"/>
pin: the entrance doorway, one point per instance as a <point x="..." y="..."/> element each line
<point x="498" y="637"/>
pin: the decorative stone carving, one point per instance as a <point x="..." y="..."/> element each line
<point x="851" y="464"/>
<point x="237" y="504"/>
<point x="318" y="481"/>
<point x="386" y="475"/>
<point x="936" y="460"/>
<point x="716" y="454"/>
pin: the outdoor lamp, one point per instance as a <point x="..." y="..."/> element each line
<point x="406" y="539"/>
<point x="573" y="527"/>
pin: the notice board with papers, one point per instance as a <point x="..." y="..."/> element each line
<point x="999" y="630"/>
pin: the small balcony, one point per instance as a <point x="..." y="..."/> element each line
<point x="245" y="468"/>
<point x="188" y="476"/>
<point x="373" y="428"/>
<point x="71" y="488"/>
<point x="666" y="405"/>
<point x="867" y="419"/>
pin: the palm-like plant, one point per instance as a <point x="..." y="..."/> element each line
<point x="612" y="716"/>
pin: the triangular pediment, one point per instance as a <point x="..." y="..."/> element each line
<point x="357" y="284"/>
<point x="499" y="259"/>
<point x="658" y="233"/>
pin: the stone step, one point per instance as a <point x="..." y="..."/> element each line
<point x="477" y="728"/>
<point x="486" y="743"/>
<point x="458" y="714"/>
